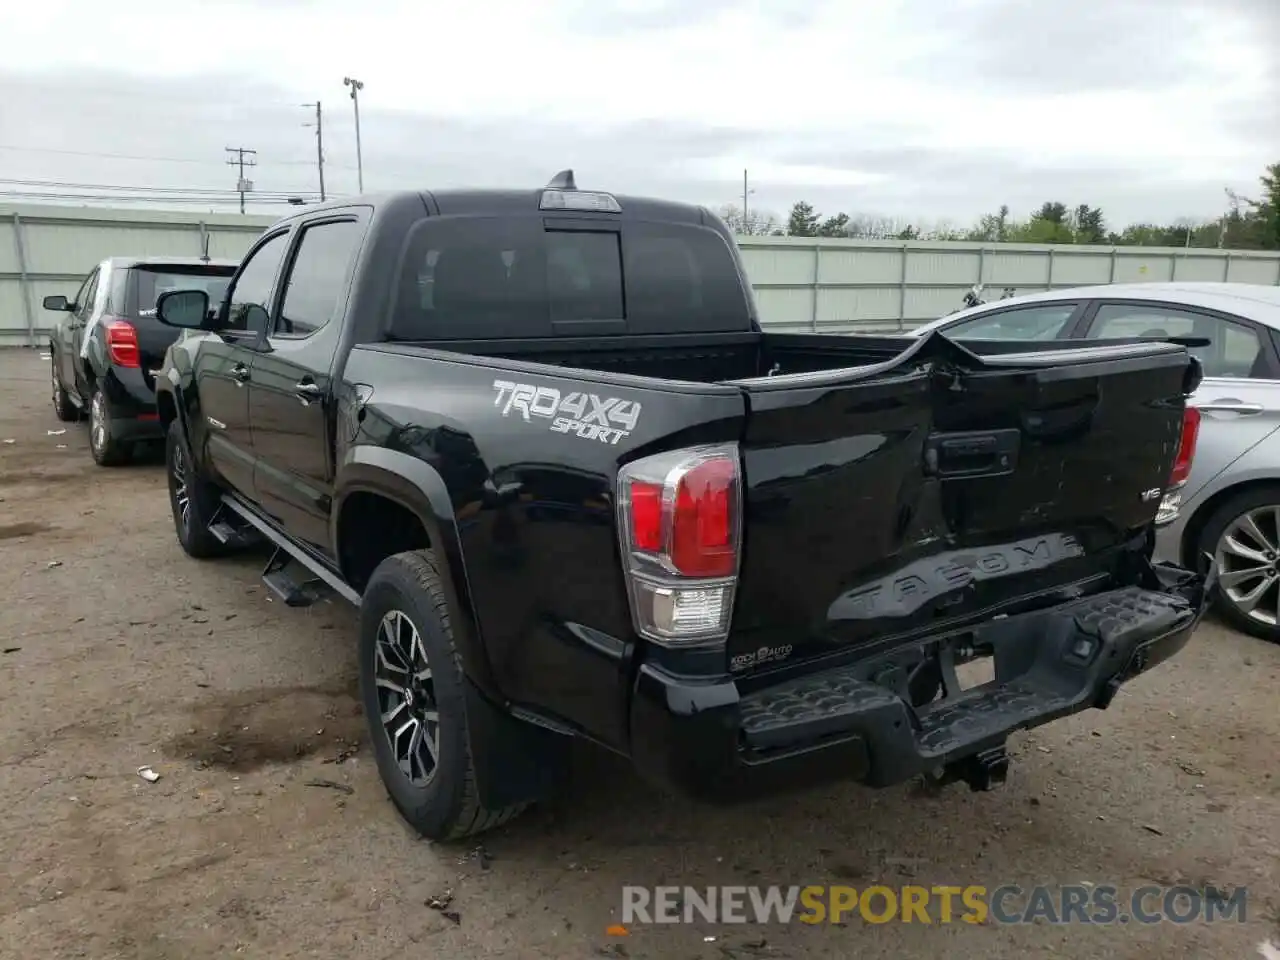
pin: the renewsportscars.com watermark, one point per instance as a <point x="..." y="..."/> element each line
<point x="973" y="904"/>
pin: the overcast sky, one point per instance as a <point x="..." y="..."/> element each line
<point x="929" y="110"/>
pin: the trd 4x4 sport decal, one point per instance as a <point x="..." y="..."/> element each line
<point x="607" y="419"/>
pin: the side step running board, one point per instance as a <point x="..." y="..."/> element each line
<point x="276" y="575"/>
<point x="228" y="531"/>
<point x="279" y="581"/>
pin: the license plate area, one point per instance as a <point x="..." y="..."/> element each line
<point x="965" y="668"/>
<point x="978" y="672"/>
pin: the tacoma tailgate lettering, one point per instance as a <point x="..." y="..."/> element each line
<point x="931" y="577"/>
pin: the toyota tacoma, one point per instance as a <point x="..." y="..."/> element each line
<point x="541" y="439"/>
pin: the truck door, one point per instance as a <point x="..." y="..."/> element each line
<point x="223" y="370"/>
<point x="290" y="397"/>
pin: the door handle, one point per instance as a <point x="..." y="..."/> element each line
<point x="971" y="454"/>
<point x="240" y="373"/>
<point x="1230" y="405"/>
<point x="307" y="390"/>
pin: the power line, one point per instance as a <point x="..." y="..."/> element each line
<point x="147" y="158"/>
<point x="34" y="195"/>
<point x="210" y="191"/>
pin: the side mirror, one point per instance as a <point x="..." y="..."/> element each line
<point x="187" y="309"/>
<point x="56" y="302"/>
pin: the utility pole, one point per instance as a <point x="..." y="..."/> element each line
<point x="356" y="86"/>
<point x="238" y="160"/>
<point x="319" y="145"/>
<point x="746" y="218"/>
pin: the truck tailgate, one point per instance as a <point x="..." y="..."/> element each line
<point x="941" y="487"/>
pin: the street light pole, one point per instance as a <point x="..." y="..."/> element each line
<point x="356" y="86"/>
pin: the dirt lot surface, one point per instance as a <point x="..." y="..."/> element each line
<point x="120" y="651"/>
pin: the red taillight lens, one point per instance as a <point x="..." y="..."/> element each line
<point x="1186" y="447"/>
<point x="646" y="515"/>
<point x="122" y="343"/>
<point x="702" y="529"/>
<point x="680" y="527"/>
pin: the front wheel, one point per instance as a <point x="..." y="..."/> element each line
<point x="1243" y="537"/>
<point x="411" y="685"/>
<point x="193" y="499"/>
<point x="63" y="408"/>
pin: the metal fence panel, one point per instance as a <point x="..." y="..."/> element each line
<point x="828" y="285"/>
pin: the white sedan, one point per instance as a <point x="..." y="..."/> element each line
<point x="1230" y="503"/>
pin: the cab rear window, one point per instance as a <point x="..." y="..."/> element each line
<point x="496" y="278"/>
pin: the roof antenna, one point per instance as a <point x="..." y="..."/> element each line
<point x="563" y="181"/>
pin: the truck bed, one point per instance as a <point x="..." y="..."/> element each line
<point x="927" y="486"/>
<point x="727" y="357"/>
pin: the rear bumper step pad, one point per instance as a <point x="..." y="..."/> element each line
<point x="1047" y="665"/>
<point x="709" y="740"/>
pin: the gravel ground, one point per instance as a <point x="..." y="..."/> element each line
<point x="119" y="651"/>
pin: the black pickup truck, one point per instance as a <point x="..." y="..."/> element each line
<point x="541" y="439"/>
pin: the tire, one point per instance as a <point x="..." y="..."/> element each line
<point x="1227" y="539"/>
<point x="193" y="500"/>
<point x="442" y="803"/>
<point x="63" y="408"/>
<point x="107" y="451"/>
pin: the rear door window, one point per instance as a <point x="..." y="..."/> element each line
<point x="478" y="278"/>
<point x="318" y="276"/>
<point x="1235" y="349"/>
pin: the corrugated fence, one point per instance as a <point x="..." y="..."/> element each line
<point x="49" y="249"/>
<point x="836" y="286"/>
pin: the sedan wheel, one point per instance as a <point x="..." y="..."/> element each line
<point x="1248" y="557"/>
<point x="1243" y="536"/>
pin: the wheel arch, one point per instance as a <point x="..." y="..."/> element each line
<point x="411" y="485"/>
<point x="1188" y="548"/>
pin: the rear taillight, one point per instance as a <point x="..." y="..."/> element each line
<point x="122" y="343"/>
<point x="1171" y="502"/>
<point x="1186" y="447"/>
<point x="680" y="526"/>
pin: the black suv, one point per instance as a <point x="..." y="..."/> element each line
<point x="107" y="341"/>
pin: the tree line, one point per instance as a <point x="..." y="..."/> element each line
<point x="1250" y="223"/>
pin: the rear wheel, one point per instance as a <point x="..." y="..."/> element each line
<point x="193" y="499"/>
<point x="107" y="449"/>
<point x="1243" y="537"/>
<point x="411" y="684"/>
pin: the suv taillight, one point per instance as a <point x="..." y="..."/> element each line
<point x="680" y="526"/>
<point x="122" y="343"/>
<point x="1171" y="503"/>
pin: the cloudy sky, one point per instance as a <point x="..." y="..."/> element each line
<point x="927" y="110"/>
